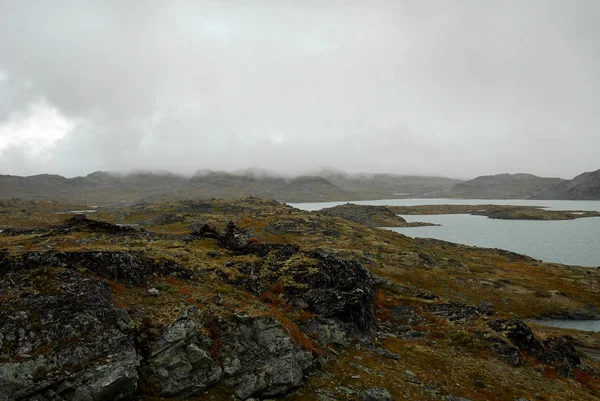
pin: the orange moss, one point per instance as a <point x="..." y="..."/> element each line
<point x="278" y="288"/>
<point x="120" y="304"/>
<point x="271" y="298"/>
<point x="584" y="378"/>
<point x="304" y="316"/>
<point x="192" y="301"/>
<point x="116" y="287"/>
<point x="294" y="332"/>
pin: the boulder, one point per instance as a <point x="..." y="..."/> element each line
<point x="376" y="394"/>
<point x="234" y="239"/>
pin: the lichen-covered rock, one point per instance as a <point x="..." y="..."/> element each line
<point x="125" y="267"/>
<point x="337" y="288"/>
<point x="234" y="239"/>
<point x="261" y="360"/>
<point x="179" y="364"/>
<point x="376" y="394"/>
<point x="64" y="339"/>
<point x="557" y="352"/>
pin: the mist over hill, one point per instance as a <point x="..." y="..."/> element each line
<point x="503" y="186"/>
<point x="328" y="186"/>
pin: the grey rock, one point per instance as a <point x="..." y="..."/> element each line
<point x="327" y="331"/>
<point x="180" y="364"/>
<point x="83" y="344"/>
<point x="376" y="394"/>
<point x="154" y="292"/>
<point x="261" y="358"/>
<point x="454" y="398"/>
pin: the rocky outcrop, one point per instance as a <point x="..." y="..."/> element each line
<point x="329" y="286"/>
<point x="179" y="363"/>
<point x="234" y="238"/>
<point x="557" y="352"/>
<point x="336" y="288"/>
<point x="62" y="338"/>
<point x="125" y="267"/>
<point x="260" y="359"/>
<point x="370" y="216"/>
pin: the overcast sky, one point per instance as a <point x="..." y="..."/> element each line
<point x="454" y="88"/>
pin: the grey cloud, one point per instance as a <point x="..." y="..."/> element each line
<point x="457" y="88"/>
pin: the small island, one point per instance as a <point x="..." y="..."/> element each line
<point x="505" y="212"/>
<point x="370" y="216"/>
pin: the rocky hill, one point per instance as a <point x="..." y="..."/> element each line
<point x="503" y="186"/>
<point x="585" y="186"/>
<point x="252" y="299"/>
<point x="101" y="187"/>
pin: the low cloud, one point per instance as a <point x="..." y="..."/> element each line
<point x="457" y="88"/>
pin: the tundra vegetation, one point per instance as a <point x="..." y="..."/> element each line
<point x="209" y="299"/>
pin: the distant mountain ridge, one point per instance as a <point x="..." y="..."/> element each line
<point x="585" y="186"/>
<point x="153" y="186"/>
<point x="321" y="186"/>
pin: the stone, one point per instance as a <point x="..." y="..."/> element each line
<point x="153" y="292"/>
<point x="376" y="394"/>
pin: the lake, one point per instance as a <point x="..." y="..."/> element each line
<point x="574" y="242"/>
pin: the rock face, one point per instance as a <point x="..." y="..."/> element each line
<point x="370" y="216"/>
<point x="260" y="359"/>
<point x="179" y="364"/>
<point x="64" y="339"/>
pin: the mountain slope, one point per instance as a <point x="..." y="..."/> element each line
<point x="107" y="187"/>
<point x="503" y="186"/>
<point x="389" y="185"/>
<point x="585" y="186"/>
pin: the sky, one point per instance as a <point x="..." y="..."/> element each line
<point x="454" y="88"/>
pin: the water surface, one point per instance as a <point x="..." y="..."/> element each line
<point x="574" y="242"/>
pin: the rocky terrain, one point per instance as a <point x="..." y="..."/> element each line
<point x="503" y="186"/>
<point x="496" y="211"/>
<point x="252" y="299"/>
<point x="370" y="216"/>
<point x="585" y="186"/>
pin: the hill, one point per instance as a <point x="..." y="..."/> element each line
<point x="386" y="185"/>
<point x="502" y="186"/>
<point x="585" y="186"/>
<point x="101" y="187"/>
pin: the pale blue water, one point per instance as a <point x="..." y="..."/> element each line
<point x="574" y="242"/>
<point x="584" y="325"/>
